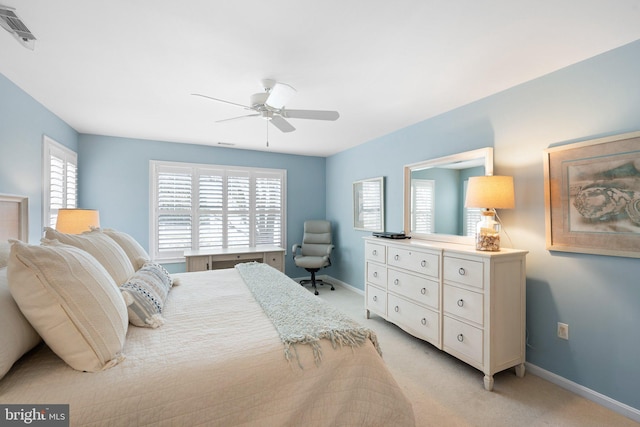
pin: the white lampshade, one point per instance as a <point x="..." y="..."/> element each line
<point x="490" y="192"/>
<point x="77" y="221"/>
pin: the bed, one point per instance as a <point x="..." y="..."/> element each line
<point x="217" y="358"/>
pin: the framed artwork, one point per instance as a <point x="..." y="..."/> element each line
<point x="592" y="196"/>
<point x="368" y="204"/>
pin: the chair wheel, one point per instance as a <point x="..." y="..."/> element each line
<point x="333" y="289"/>
<point x="316" y="292"/>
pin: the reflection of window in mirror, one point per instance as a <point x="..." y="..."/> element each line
<point x="422" y="207"/>
<point x="472" y="216"/>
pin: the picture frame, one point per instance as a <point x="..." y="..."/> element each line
<point x="368" y="204"/>
<point x="592" y="196"/>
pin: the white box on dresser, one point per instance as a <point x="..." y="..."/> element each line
<point x="468" y="303"/>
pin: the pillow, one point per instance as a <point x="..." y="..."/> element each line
<point x="136" y="253"/>
<point x="102" y="247"/>
<point x="4" y="253"/>
<point x="73" y="303"/>
<point x="17" y="336"/>
<point x="145" y="293"/>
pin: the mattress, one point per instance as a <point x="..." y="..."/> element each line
<point x="217" y="361"/>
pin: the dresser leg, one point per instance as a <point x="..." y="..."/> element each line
<point x="520" y="370"/>
<point x="488" y="382"/>
<point x="367" y="314"/>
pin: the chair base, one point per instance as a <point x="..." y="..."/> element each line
<point x="314" y="282"/>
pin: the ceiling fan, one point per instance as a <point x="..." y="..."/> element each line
<point x="270" y="105"/>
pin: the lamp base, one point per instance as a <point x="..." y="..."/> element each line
<point x="488" y="232"/>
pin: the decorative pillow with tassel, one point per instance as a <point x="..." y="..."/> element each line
<point x="145" y="294"/>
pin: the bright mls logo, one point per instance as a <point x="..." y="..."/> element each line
<point x="36" y="415"/>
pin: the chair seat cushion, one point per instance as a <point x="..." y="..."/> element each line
<point x="312" y="261"/>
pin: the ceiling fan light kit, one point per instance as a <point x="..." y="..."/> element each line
<point x="270" y="105"/>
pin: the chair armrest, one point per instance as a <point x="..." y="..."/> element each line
<point x="294" y="249"/>
<point x="329" y="249"/>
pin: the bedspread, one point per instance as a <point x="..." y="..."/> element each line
<point x="217" y="361"/>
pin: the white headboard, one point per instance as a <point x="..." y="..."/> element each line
<point x="14" y="217"/>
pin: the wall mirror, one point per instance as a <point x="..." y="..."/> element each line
<point x="434" y="193"/>
<point x="368" y="204"/>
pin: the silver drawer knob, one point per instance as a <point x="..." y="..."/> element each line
<point x="460" y="337"/>
<point x="375" y="298"/>
<point x="397" y="257"/>
<point x="462" y="271"/>
<point x="460" y="302"/>
<point x="375" y="274"/>
<point x="397" y="309"/>
<point x="396" y="282"/>
<point x="375" y="252"/>
<point x="423" y="263"/>
<point x="424" y="321"/>
<point x="423" y="291"/>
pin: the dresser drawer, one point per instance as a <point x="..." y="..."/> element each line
<point x="459" y="337"/>
<point x="417" y="320"/>
<point x="375" y="252"/>
<point x="275" y="260"/>
<point x="377" y="300"/>
<point x="423" y="291"/>
<point x="377" y="274"/>
<point x="418" y="261"/>
<point x="462" y="303"/>
<point x="463" y="271"/>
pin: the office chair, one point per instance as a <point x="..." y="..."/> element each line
<point x="315" y="250"/>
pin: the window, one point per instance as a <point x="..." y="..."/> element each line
<point x="207" y="206"/>
<point x="422" y="199"/>
<point x="60" y="175"/>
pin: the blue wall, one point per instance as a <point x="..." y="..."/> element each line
<point x="23" y="122"/>
<point x="115" y="179"/>
<point x="598" y="296"/>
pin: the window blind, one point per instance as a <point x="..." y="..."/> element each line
<point x="206" y="206"/>
<point x="60" y="176"/>
<point x="423" y="193"/>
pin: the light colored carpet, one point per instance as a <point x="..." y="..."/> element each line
<point x="447" y="392"/>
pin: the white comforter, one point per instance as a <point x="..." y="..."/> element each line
<point x="217" y="361"/>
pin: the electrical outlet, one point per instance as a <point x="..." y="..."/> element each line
<point x="563" y="331"/>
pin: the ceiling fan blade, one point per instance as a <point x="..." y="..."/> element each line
<point x="279" y="95"/>
<point x="311" y="114"/>
<point x="222" y="100"/>
<point x="239" y="117"/>
<point x="282" y="124"/>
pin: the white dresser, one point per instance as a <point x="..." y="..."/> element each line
<point x="468" y="303"/>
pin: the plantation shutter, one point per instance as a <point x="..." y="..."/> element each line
<point x="174" y="211"/>
<point x="423" y="205"/>
<point x="202" y="206"/>
<point x="61" y="180"/>
<point x="372" y="205"/>
<point x="268" y="209"/>
<point x="238" y="209"/>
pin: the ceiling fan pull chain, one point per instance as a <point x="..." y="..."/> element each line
<point x="267" y="132"/>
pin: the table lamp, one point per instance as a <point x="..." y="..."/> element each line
<point x="77" y="221"/>
<point x="489" y="193"/>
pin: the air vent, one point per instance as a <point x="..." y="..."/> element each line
<point x="13" y="24"/>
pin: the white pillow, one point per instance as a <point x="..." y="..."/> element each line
<point x="17" y="336"/>
<point x="145" y="294"/>
<point x="136" y="253"/>
<point x="102" y="247"/>
<point x="73" y="303"/>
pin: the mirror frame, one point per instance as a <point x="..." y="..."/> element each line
<point x="485" y="153"/>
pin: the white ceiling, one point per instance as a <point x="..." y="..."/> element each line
<point x="127" y="68"/>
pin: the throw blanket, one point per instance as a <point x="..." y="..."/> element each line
<point x="299" y="316"/>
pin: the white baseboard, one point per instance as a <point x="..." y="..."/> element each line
<point x="587" y="393"/>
